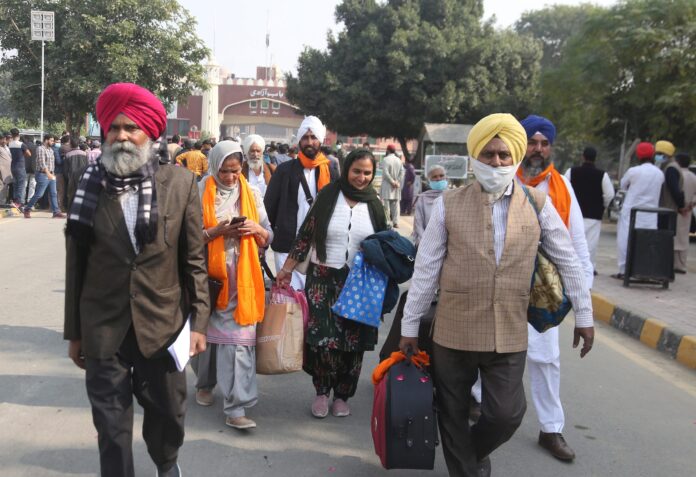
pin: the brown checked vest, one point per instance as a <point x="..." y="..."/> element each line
<point x="483" y="307"/>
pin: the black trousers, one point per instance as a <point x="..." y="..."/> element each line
<point x="161" y="391"/>
<point x="503" y="403"/>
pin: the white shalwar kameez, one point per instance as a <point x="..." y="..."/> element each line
<point x="543" y="352"/>
<point x="642" y="184"/>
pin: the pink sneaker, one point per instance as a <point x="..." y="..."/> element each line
<point x="340" y="408"/>
<point x="320" y="406"/>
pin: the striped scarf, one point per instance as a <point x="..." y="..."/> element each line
<point x="94" y="179"/>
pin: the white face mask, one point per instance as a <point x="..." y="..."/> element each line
<point x="494" y="179"/>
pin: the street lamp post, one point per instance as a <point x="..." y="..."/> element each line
<point x="42" y="29"/>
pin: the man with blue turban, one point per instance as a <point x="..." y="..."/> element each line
<point x="543" y="353"/>
<point x="490" y="229"/>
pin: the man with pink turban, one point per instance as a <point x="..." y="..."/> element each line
<point x="134" y="273"/>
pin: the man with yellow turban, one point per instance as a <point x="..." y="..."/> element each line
<point x="672" y="193"/>
<point x="543" y="354"/>
<point x="490" y="229"/>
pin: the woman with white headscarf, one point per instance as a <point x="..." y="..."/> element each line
<point x="437" y="181"/>
<point x="235" y="225"/>
<point x="256" y="172"/>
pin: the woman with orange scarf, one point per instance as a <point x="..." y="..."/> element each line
<point x="235" y="225"/>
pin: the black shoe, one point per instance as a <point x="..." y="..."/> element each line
<point x="556" y="445"/>
<point x="618" y="276"/>
<point x="677" y="270"/>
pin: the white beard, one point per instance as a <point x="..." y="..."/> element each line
<point x="122" y="159"/>
<point x="255" y="165"/>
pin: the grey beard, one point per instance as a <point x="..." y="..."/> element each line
<point x="530" y="170"/>
<point x="123" y="159"/>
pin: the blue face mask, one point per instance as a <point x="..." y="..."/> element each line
<point x="438" y="185"/>
<point x="660" y="158"/>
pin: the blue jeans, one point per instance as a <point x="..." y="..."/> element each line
<point x="43" y="183"/>
<point x="19" y="185"/>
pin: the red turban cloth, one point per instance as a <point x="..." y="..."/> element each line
<point x="139" y="104"/>
<point x="645" y="150"/>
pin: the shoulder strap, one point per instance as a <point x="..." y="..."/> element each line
<point x="305" y="188"/>
<point x="531" y="200"/>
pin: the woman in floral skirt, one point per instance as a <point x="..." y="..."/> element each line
<point x="343" y="215"/>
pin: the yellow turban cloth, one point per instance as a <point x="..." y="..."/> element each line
<point x="665" y="147"/>
<point x="503" y="125"/>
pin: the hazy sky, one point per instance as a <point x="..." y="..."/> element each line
<point x="236" y="29"/>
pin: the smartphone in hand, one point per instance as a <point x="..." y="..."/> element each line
<point x="238" y="220"/>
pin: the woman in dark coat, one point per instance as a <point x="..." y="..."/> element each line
<point x="407" y="190"/>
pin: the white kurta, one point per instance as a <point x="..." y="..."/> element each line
<point x="593" y="227"/>
<point x="543" y="351"/>
<point x="643" y="185"/>
<point x="392" y="171"/>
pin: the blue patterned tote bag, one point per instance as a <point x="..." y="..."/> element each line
<point x="362" y="295"/>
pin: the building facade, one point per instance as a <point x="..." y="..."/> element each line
<point x="237" y="107"/>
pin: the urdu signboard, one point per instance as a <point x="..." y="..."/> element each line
<point x="455" y="166"/>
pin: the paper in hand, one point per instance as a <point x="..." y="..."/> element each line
<point x="181" y="346"/>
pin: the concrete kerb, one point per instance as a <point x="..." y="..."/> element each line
<point x="649" y="331"/>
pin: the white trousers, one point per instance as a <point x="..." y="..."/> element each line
<point x="621" y="242"/>
<point x="592" y="229"/>
<point x="298" y="279"/>
<point x="236" y="377"/>
<point x="544" y="367"/>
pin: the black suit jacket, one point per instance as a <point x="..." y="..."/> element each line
<point x="108" y="286"/>
<point x="281" y="201"/>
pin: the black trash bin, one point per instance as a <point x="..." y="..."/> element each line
<point x="650" y="252"/>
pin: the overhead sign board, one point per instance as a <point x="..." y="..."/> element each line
<point x="42" y="26"/>
<point x="455" y="166"/>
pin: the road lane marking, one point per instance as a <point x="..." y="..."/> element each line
<point x="664" y="374"/>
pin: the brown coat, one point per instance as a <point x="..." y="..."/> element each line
<point x="108" y="286"/>
<point x="483" y="307"/>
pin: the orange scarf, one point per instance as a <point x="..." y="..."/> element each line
<point x="557" y="190"/>
<point x="320" y="161"/>
<point x="250" y="285"/>
<point x="421" y="359"/>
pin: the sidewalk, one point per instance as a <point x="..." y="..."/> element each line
<point x="662" y="319"/>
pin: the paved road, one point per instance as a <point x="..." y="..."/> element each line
<point x="630" y="411"/>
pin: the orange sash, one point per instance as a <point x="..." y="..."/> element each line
<point x="250" y="286"/>
<point x="320" y="161"/>
<point x="557" y="190"/>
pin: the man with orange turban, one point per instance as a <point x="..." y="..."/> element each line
<point x="292" y="190"/>
<point x="134" y="251"/>
<point x="491" y="230"/>
<point x="543" y="354"/>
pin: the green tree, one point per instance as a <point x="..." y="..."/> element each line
<point x="400" y="63"/>
<point x="630" y="65"/>
<point x="98" y="42"/>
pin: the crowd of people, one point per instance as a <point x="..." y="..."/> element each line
<point x="167" y="219"/>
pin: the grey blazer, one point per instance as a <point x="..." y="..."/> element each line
<point x="108" y="286"/>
